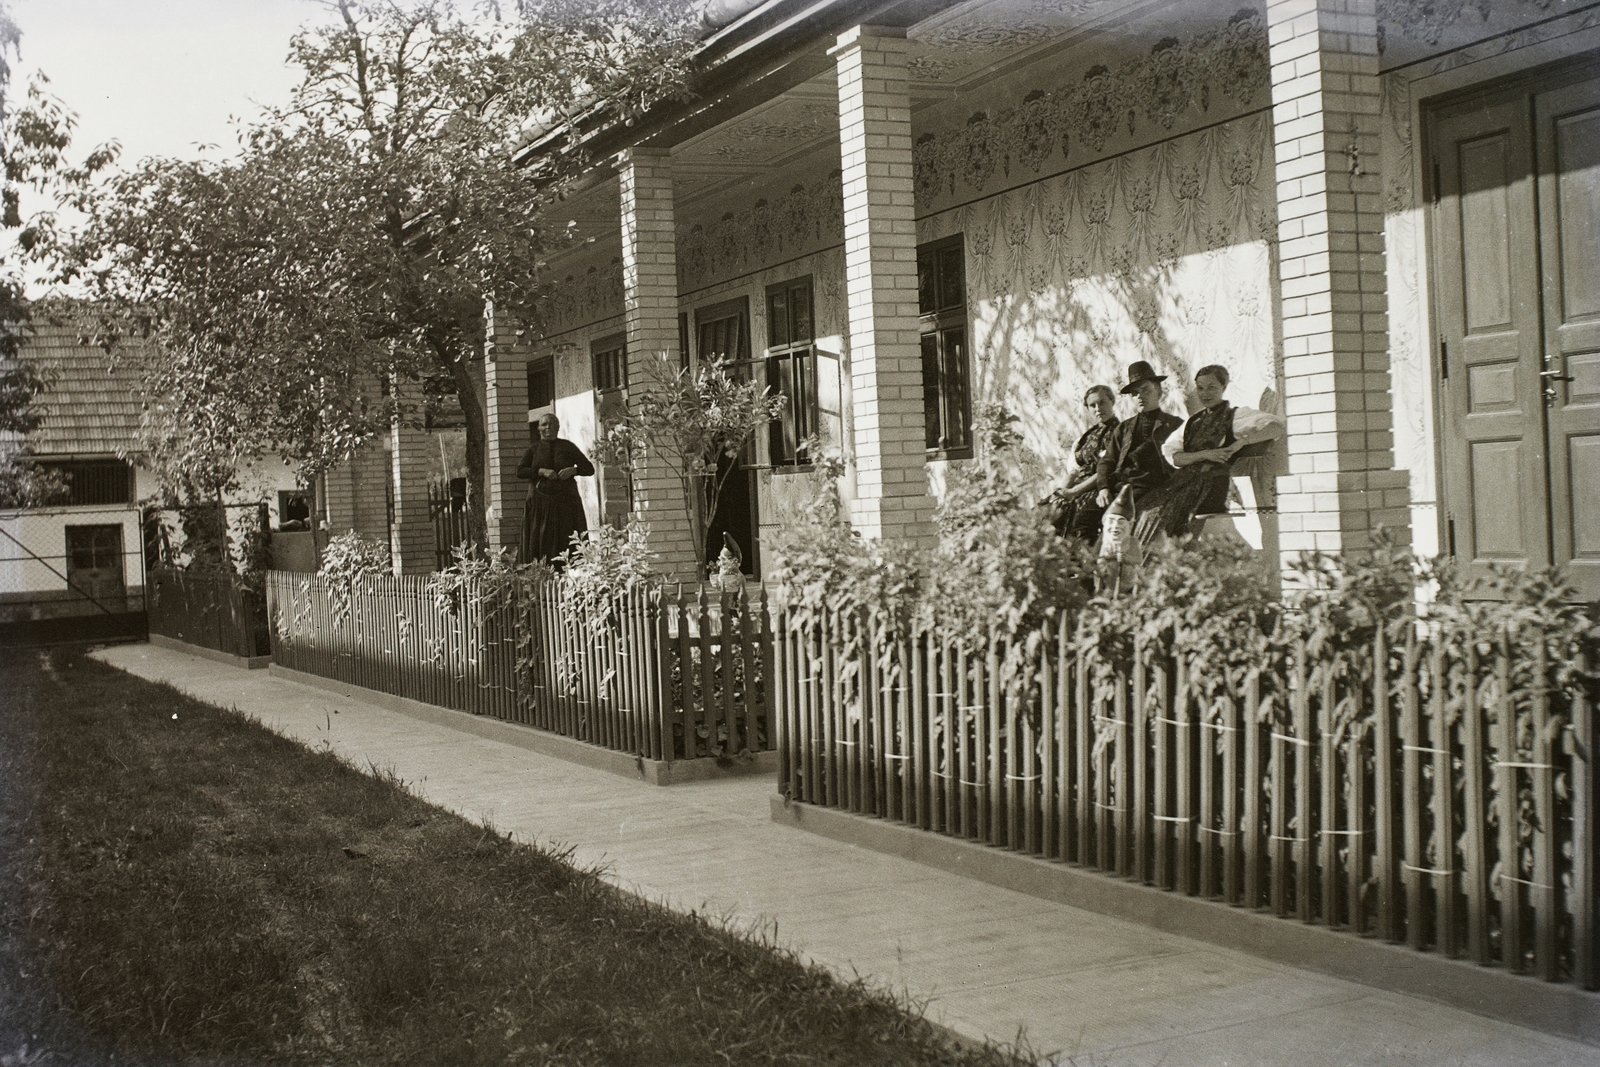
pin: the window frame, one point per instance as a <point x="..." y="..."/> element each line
<point x="946" y="319"/>
<point x="542" y="367"/>
<point x="608" y="364"/>
<point x="741" y="365"/>
<point x="789" y="358"/>
<point x="94" y="479"/>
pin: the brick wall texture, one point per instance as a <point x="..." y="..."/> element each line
<point x="411" y="539"/>
<point x="880" y="238"/>
<point x="650" y="299"/>
<point x="508" y="434"/>
<point x="1341" y="482"/>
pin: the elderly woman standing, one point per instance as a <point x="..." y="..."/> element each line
<point x="554" y="511"/>
<point x="1076" y="512"/>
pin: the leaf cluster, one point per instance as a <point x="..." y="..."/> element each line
<point x="692" y="421"/>
<point x="25" y="483"/>
<point x="349" y="559"/>
<point x="300" y="290"/>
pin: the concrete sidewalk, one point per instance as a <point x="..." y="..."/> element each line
<point x="989" y="963"/>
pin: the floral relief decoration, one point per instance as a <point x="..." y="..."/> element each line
<point x="583" y="296"/>
<point x="807" y="218"/>
<point x="1428" y="20"/>
<point x="1405" y="258"/>
<point x="1161" y="255"/>
<point x="1177" y="78"/>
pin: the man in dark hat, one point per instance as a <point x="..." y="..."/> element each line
<point x="1133" y="451"/>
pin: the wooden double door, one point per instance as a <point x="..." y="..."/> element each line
<point x="1516" y="283"/>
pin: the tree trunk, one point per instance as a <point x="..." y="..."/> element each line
<point x="472" y="407"/>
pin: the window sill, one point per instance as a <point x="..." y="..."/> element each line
<point x="934" y="454"/>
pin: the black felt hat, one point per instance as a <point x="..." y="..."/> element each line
<point x="1140" y="371"/>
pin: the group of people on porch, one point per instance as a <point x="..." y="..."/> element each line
<point x="1174" y="482"/>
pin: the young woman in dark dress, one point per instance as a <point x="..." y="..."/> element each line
<point x="554" y="511"/>
<point x="1204" y="461"/>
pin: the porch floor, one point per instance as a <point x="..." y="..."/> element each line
<point x="988" y="962"/>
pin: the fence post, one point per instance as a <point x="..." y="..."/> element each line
<point x="1586" y="840"/>
<point x="1474" y="877"/>
<point x="1384" y="786"/>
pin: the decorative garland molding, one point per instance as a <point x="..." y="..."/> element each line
<point x="1175" y="79"/>
<point x="804" y="219"/>
<point x="1428" y="20"/>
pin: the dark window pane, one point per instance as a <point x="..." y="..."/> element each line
<point x="780" y="379"/>
<point x="930" y="389"/>
<point x="95" y="481"/>
<point x="805" y="395"/>
<point x="541" y="384"/>
<point x="957" y="432"/>
<point x="777" y="318"/>
<point x="800" y="314"/>
<point x="952" y="285"/>
<point x="927" y="287"/>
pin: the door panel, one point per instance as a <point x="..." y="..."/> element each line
<point x="1583" y="461"/>
<point x="1499" y="532"/>
<point x="1487" y="267"/>
<point x="1567" y="131"/>
<point x="1487" y="172"/>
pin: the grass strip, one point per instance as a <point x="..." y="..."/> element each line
<point x="182" y="884"/>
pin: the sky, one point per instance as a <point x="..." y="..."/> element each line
<point x="162" y="76"/>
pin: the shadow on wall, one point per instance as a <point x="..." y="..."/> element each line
<point x="1162" y="254"/>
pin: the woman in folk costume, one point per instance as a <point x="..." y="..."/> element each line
<point x="554" y="511"/>
<point x="1212" y="439"/>
<point x="1133" y="450"/>
<point x="1075" y="512"/>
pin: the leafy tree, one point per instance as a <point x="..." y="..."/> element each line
<point x="691" y="421"/>
<point x="33" y="143"/>
<point x="303" y="293"/>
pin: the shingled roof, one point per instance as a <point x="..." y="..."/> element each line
<point x="93" y="402"/>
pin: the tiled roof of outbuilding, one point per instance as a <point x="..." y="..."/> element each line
<point x="93" y="400"/>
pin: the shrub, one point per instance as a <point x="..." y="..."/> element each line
<point x="348" y="559"/>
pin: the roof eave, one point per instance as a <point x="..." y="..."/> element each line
<point x="772" y="48"/>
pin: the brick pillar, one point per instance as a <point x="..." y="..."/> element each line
<point x="411" y="539"/>
<point x="880" y="250"/>
<point x="1342" y="482"/>
<point x="650" y="303"/>
<point x="355" y="494"/>
<point x="370" y="475"/>
<point x="339" y="489"/>
<point x="506" y="412"/>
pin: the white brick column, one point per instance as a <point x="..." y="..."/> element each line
<point x="356" y="490"/>
<point x="506" y="414"/>
<point x="650" y="303"/>
<point x="880" y="254"/>
<point x="1342" y="483"/>
<point x="411" y="540"/>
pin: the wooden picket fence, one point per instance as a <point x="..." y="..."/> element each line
<point x="390" y="635"/>
<point x="667" y="675"/>
<point x="1430" y="808"/>
<point x="205" y="609"/>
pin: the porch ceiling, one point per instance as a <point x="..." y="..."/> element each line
<point x="964" y="58"/>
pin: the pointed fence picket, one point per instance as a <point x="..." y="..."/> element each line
<point x="666" y="674"/>
<point x="1408" y="795"/>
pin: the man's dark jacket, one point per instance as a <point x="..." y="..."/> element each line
<point x="1133" y="453"/>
